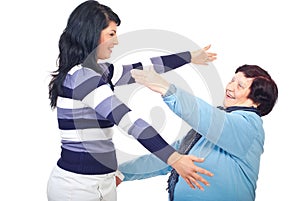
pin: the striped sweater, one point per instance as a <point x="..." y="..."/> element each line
<point x="87" y="109"/>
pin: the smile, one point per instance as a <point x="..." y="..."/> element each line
<point x="228" y="95"/>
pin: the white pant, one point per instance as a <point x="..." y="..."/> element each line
<point x="68" y="186"/>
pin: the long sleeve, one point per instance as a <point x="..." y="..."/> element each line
<point x="161" y="64"/>
<point x="93" y="91"/>
<point x="234" y="132"/>
<point x="145" y="166"/>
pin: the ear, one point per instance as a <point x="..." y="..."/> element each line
<point x="255" y="104"/>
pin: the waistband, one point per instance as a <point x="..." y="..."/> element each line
<point x="87" y="163"/>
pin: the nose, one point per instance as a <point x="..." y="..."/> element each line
<point x="115" y="40"/>
<point x="231" y="86"/>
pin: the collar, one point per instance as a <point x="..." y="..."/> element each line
<point x="234" y="108"/>
<point x="108" y="72"/>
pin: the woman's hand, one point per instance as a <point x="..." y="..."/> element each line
<point x="151" y="79"/>
<point x="185" y="167"/>
<point x="202" y="57"/>
<point x="118" y="181"/>
<point x="119" y="177"/>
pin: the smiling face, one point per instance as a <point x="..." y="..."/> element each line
<point x="107" y="41"/>
<point x="237" y="91"/>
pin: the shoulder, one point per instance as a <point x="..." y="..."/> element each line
<point x="79" y="75"/>
<point x="80" y="71"/>
<point x="249" y="118"/>
<point x="247" y="115"/>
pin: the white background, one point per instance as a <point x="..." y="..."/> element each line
<point x="258" y="32"/>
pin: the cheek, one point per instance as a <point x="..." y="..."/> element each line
<point x="103" y="45"/>
<point x="242" y="96"/>
<point x="101" y="51"/>
<point x="246" y="93"/>
<point x="100" y="40"/>
<point x="103" y="38"/>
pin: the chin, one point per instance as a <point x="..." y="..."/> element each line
<point x="225" y="104"/>
<point x="107" y="56"/>
<point x="104" y="56"/>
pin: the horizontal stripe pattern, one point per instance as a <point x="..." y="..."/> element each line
<point x="71" y="124"/>
<point x="170" y="62"/>
<point x="126" y="77"/>
<point x="93" y="146"/>
<point x="80" y="91"/>
<point x="87" y="163"/>
<point x="127" y="121"/>
<point x="77" y="75"/>
<point x="87" y="134"/>
<point x="97" y="96"/>
<point x="84" y="112"/>
<point x="87" y="146"/>
<point x="87" y="109"/>
<point x="69" y="103"/>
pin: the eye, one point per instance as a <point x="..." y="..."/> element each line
<point x="241" y="85"/>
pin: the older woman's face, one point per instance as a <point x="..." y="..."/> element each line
<point x="107" y="41"/>
<point x="237" y="91"/>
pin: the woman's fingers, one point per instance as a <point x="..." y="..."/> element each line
<point x="199" y="169"/>
<point x="206" y="47"/>
<point x="196" y="159"/>
<point x="196" y="183"/>
<point x="204" y="171"/>
<point x="195" y="179"/>
<point x="189" y="183"/>
<point x="190" y="172"/>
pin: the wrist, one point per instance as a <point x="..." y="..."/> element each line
<point x="192" y="56"/>
<point x="173" y="158"/>
<point x="163" y="90"/>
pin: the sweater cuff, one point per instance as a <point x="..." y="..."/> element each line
<point x="186" y="56"/>
<point x="171" y="90"/>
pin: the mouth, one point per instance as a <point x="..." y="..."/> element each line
<point x="228" y="95"/>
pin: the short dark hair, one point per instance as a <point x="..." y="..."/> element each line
<point x="263" y="90"/>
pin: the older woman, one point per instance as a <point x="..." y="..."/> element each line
<point x="231" y="138"/>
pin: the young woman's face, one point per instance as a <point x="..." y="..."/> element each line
<point x="107" y="41"/>
<point x="237" y="91"/>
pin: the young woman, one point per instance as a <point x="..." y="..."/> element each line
<point x="82" y="92"/>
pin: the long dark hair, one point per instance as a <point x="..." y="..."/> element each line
<point x="79" y="40"/>
<point x="263" y="90"/>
